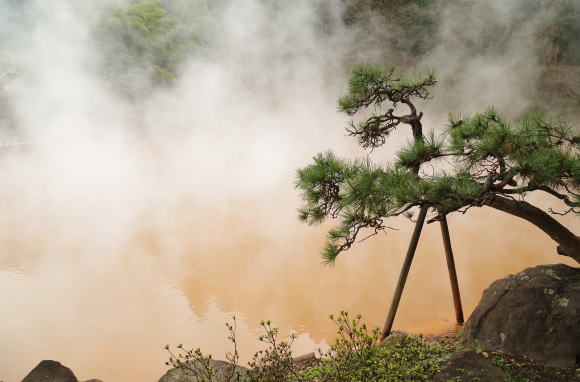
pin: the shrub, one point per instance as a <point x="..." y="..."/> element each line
<point x="357" y="356"/>
<point x="354" y="356"/>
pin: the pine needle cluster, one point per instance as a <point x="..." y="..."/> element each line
<point x="475" y="161"/>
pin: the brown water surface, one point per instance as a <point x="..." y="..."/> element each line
<point x="101" y="281"/>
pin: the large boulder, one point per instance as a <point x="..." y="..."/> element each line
<point x="50" y="371"/>
<point x="184" y="375"/>
<point x="469" y="366"/>
<point x="535" y="313"/>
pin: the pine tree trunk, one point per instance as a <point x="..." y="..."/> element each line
<point x="569" y="243"/>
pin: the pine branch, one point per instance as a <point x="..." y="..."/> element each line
<point x="480" y="160"/>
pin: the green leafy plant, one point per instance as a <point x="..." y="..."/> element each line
<point x="275" y="363"/>
<point x="357" y="356"/>
<point x="201" y="368"/>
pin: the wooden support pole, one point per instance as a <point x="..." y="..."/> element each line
<point x="404" y="273"/>
<point x="452" y="271"/>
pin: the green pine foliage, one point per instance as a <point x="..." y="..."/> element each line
<point x="474" y="160"/>
<point x="360" y="194"/>
<point x="372" y="84"/>
<point x="417" y="152"/>
<point x="321" y="184"/>
<point x="535" y="152"/>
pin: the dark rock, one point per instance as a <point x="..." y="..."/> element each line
<point x="469" y="366"/>
<point x="535" y="313"/>
<point x="50" y="371"/>
<point x="306" y="359"/>
<point x="184" y="375"/>
<point x="395" y="339"/>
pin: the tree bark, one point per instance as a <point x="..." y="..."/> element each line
<point x="569" y="243"/>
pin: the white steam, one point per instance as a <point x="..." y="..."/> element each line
<point x="125" y="226"/>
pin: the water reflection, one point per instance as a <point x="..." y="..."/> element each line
<point x="103" y="282"/>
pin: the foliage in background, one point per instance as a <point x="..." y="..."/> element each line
<point x="409" y="30"/>
<point x="145" y="42"/>
<point x="561" y="34"/>
<point x="405" y="29"/>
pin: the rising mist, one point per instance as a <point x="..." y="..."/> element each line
<point x="131" y="222"/>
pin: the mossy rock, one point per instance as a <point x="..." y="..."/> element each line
<point x="535" y="313"/>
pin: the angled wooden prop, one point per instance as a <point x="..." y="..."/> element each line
<point x="404" y="273"/>
<point x="452" y="272"/>
<point x="407" y="265"/>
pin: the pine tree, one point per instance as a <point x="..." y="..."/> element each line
<point x="479" y="160"/>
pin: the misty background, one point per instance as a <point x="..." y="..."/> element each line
<point x="148" y="158"/>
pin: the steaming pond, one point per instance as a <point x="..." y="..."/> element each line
<point x="103" y="292"/>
